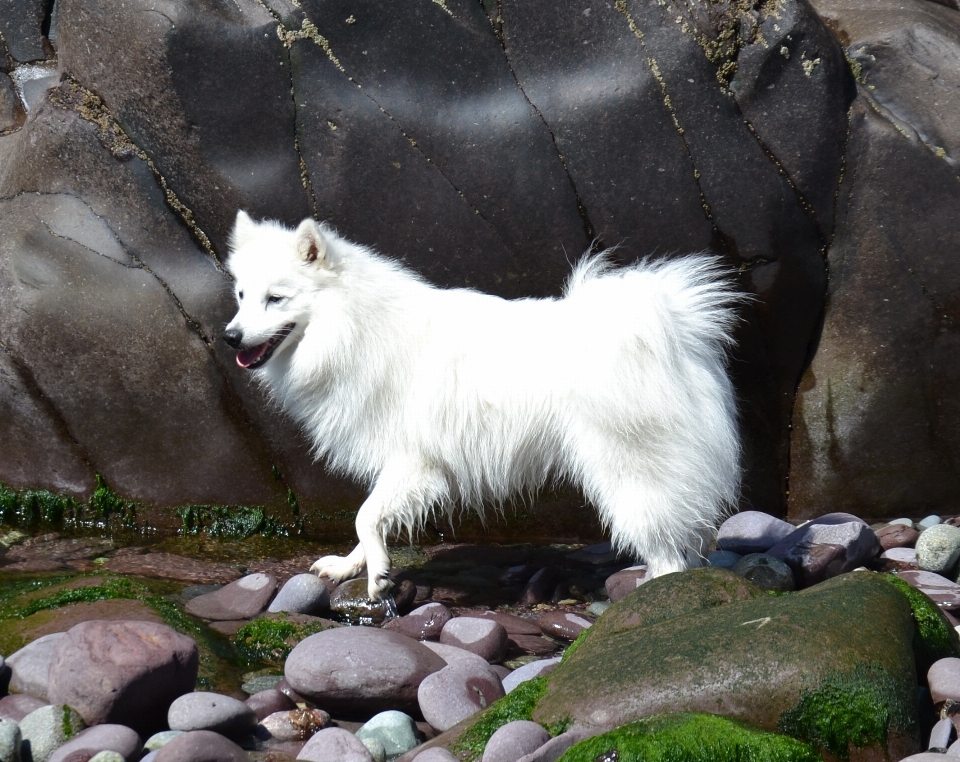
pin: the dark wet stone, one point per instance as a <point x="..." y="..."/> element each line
<point x="126" y="673"/>
<point x="54" y="553"/>
<point x="201" y="746"/>
<point x="270" y="701"/>
<point x="423" y="623"/>
<point x="351" y="603"/>
<point x="766" y="572"/>
<point x="513" y="624"/>
<point x="563" y="625"/>
<point x="826" y="547"/>
<point x="118" y="738"/>
<point x="456" y="692"/>
<point x="897" y="536"/>
<point x="360" y="669"/>
<point x="287" y="690"/>
<point x="751" y="532"/>
<point x="540" y="587"/>
<point x="204" y="710"/>
<point x="535" y="645"/>
<point x="242" y="599"/>
<point x="18" y="705"/>
<point x="21" y="23"/>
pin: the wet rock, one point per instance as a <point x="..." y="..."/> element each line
<point x="766" y="572"/>
<point x="302" y="594"/>
<point x="203" y="710"/>
<point x="170" y="566"/>
<point x="625" y="581"/>
<point x="484" y="637"/>
<point x="423" y="623"/>
<point x="295" y="724"/>
<point x="360" y="669"/>
<point x="751" y="532"/>
<point x="395" y="731"/>
<point x="335" y="745"/>
<point x="540" y="587"/>
<point x="513" y="624"/>
<point x="938" y="549"/>
<point x="242" y="599"/>
<point x="265" y="703"/>
<point x="942" y="591"/>
<point x="897" y="536"/>
<point x="126" y="673"/>
<point x="563" y="625"/>
<point x="202" y="745"/>
<point x="530" y="644"/>
<point x="826" y="547"/>
<point x="902" y="558"/>
<point x="528" y="672"/>
<point x="350" y="602"/>
<point x="116" y="738"/>
<point x="31" y="665"/>
<point x="723" y="559"/>
<point x="456" y="692"/>
<point x="18" y="705"/>
<point x="514" y="740"/>
<point x="48" y="728"/>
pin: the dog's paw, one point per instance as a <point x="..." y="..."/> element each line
<point x="337" y="569"/>
<point x="378" y="587"/>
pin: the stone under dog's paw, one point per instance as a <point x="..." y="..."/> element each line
<point x="378" y="587"/>
<point x="334" y="568"/>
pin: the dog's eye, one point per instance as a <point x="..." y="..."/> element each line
<point x="274" y="299"/>
<point x="240" y="295"/>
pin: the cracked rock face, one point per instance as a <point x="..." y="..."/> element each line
<point x="486" y="144"/>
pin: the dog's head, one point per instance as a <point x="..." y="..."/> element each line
<point x="277" y="274"/>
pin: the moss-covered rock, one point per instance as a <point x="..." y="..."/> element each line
<point x="690" y="737"/>
<point x="271" y="638"/>
<point x="934" y="637"/>
<point x="832" y="665"/>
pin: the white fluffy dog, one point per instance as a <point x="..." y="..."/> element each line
<point x="436" y="397"/>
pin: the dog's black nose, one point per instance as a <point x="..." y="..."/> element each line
<point x="233" y="337"/>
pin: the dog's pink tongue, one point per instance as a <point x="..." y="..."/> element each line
<point x="248" y="357"/>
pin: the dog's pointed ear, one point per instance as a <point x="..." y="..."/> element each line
<point x="243" y="230"/>
<point x="311" y="243"/>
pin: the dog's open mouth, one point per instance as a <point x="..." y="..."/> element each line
<point x="258" y="355"/>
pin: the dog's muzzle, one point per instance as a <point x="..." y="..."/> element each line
<point x="257" y="356"/>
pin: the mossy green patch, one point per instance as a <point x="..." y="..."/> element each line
<point x="519" y="704"/>
<point x="934" y="637"/>
<point x="229" y="521"/>
<point x="690" y="737"/>
<point x="856" y="708"/>
<point x="110" y="588"/>
<point x="269" y="640"/>
<point x="572" y="648"/>
<point x="68" y="729"/>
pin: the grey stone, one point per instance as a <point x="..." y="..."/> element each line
<point x="302" y="594"/>
<point x="766" y="572"/>
<point x="200" y="746"/>
<point x="751" y="532"/>
<point x="31" y="665"/>
<point x="529" y="671"/>
<point x="484" y="637"/>
<point x="335" y="745"/>
<point x="115" y="738"/>
<point x="722" y="559"/>
<point x="107" y="756"/>
<point x="242" y="599"/>
<point x="9" y="741"/>
<point x="938" y="548"/>
<point x="597" y="608"/>
<point x="203" y="710"/>
<point x="396" y="731"/>
<point x="48" y="728"/>
<point x="927" y="522"/>
<point x="941" y="734"/>
<point x="943" y="677"/>
<point x="123" y="672"/>
<point x="514" y="740"/>
<point x="360" y="669"/>
<point x="456" y="692"/>
<point x="157" y="740"/>
<point x="375" y="748"/>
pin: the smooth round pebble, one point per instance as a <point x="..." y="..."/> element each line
<point x="335" y="745"/>
<point x="375" y="748"/>
<point x="107" y="756"/>
<point x="514" y="740"/>
<point x="897" y="536"/>
<point x="436" y="754"/>
<point x="941" y="734"/>
<point x="484" y="637"/>
<point x="766" y="572"/>
<point x="302" y="594"/>
<point x="241" y="599"/>
<point x="623" y="582"/>
<point x="269" y="701"/>
<point x="597" y="608"/>
<point x="456" y="692"/>
<point x="158" y="740"/>
<point x="295" y="724"/>
<point x="30" y="666"/>
<point x="423" y="623"/>
<point x="938" y="548"/>
<point x="929" y="521"/>
<point x="450" y="654"/>
<point x="902" y="521"/>
<point x="10" y="741"/>
<point x="752" y="532"/>
<point x="563" y="625"/>
<point x="48" y="728"/>
<point x="529" y="671"/>
<point x="18" y="705"/>
<point x="115" y="738"/>
<point x="943" y="677"/>
<point x="513" y="624"/>
<point x="396" y="731"/>
<point x="201" y="746"/>
<point x="722" y="559"/>
<point x="203" y="710"/>
<point x="150" y="757"/>
<point x="904" y="556"/>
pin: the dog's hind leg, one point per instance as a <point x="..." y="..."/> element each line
<point x="405" y="490"/>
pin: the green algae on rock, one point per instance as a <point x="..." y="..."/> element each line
<point x="691" y="737"/>
<point x="270" y="638"/>
<point x="934" y="637"/>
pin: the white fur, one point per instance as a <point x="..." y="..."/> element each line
<point x="440" y="397"/>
